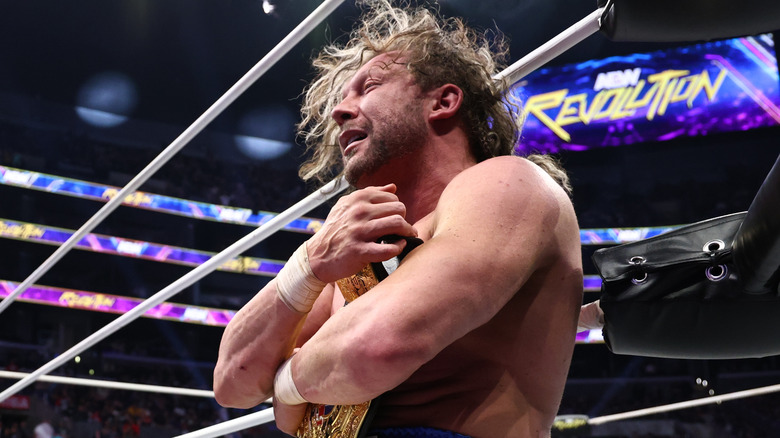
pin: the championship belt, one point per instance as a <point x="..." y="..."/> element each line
<point x="350" y="421"/>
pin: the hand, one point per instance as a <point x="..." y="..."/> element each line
<point x="288" y="417"/>
<point x="591" y="317"/>
<point x="347" y="240"/>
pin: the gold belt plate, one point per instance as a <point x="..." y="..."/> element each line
<point x="342" y="421"/>
<point x="358" y="284"/>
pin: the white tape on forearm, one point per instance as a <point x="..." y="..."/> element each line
<point x="285" y="390"/>
<point x="296" y="284"/>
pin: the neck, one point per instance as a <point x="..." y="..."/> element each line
<point x="422" y="177"/>
<point x="421" y="191"/>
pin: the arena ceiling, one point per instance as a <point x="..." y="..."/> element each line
<point x="169" y="60"/>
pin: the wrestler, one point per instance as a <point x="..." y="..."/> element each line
<point x="474" y="332"/>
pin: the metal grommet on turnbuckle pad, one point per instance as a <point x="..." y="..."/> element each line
<point x="639" y="280"/>
<point x="717" y="273"/>
<point x="638" y="261"/>
<point x="713" y="246"/>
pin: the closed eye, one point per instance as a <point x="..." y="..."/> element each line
<point x="369" y="85"/>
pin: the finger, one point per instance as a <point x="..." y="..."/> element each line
<point x="388" y="209"/>
<point x="288" y="418"/>
<point x="387" y="225"/>
<point x="379" y="196"/>
<point x="365" y="212"/>
<point x="371" y="195"/>
<point x="388" y="188"/>
<point x="380" y="193"/>
<point x="379" y="252"/>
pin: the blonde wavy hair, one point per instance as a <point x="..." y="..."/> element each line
<point x="436" y="51"/>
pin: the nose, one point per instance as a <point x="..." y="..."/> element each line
<point x="345" y="110"/>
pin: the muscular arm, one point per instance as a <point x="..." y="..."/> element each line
<point x="258" y="339"/>
<point x="493" y="228"/>
<point x="264" y="332"/>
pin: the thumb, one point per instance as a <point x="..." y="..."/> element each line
<point x="391" y="188"/>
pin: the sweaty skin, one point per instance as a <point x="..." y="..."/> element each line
<point x="476" y="334"/>
<point x="475" y="330"/>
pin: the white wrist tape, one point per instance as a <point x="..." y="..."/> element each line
<point x="284" y="387"/>
<point x="296" y="284"/>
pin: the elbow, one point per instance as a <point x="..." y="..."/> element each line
<point x="237" y="390"/>
<point x="235" y="397"/>
<point x="230" y="401"/>
<point x="227" y="398"/>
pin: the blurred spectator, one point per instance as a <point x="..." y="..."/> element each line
<point x="44" y="430"/>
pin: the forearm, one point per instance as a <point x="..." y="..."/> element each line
<point x="358" y="355"/>
<point x="263" y="334"/>
<point x="257" y="340"/>
<point x="332" y="376"/>
<point x="347" y="241"/>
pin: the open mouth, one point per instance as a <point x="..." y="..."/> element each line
<point x="355" y="138"/>
<point x="349" y="140"/>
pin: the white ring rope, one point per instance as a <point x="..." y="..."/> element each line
<point x="685" y="405"/>
<point x="234" y="425"/>
<point x="549" y="50"/>
<point x="284" y="46"/>
<point x="97" y="383"/>
<point x="248" y="241"/>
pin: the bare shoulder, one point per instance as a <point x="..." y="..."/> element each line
<point x="513" y="207"/>
<point x="504" y="186"/>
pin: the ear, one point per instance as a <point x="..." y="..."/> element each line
<point x="447" y="101"/>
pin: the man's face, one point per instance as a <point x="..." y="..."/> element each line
<point x="380" y="116"/>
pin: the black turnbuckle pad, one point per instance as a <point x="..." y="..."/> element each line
<point x="687" y="20"/>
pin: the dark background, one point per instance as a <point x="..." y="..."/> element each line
<point x="174" y="58"/>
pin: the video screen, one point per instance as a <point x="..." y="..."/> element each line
<point x="702" y="89"/>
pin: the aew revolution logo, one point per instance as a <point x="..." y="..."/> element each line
<point x="622" y="94"/>
<point x="702" y="89"/>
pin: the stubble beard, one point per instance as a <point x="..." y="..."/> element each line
<point x="395" y="139"/>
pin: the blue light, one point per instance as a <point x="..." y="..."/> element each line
<point x="266" y="133"/>
<point x="106" y="99"/>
